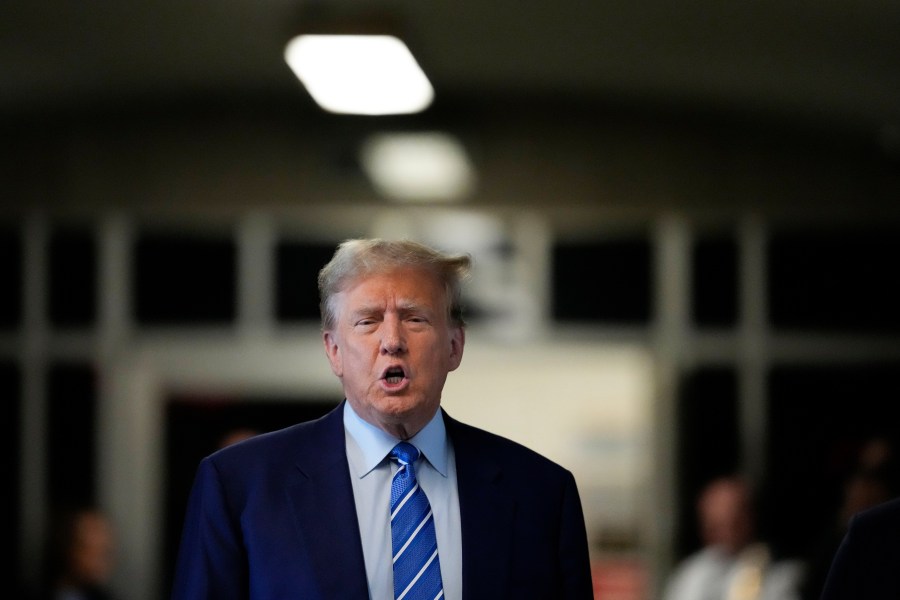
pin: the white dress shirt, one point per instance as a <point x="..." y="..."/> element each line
<point x="371" y="471"/>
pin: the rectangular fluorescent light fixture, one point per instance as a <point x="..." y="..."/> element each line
<point x="359" y="74"/>
<point x="417" y="167"/>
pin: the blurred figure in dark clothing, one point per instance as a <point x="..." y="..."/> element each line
<point x="873" y="481"/>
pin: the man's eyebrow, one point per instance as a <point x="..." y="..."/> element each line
<point x="366" y="309"/>
<point x="412" y="306"/>
<point x="403" y="306"/>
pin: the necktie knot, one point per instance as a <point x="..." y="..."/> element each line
<point x="405" y="453"/>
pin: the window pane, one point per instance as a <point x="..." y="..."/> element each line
<point x="714" y="295"/>
<point x="71" y="426"/>
<point x="298" y="266"/>
<point x="73" y="278"/>
<point x="10" y="459"/>
<point x="10" y="278"/>
<point x="183" y="279"/>
<point x="834" y="281"/>
<point x="602" y="281"/>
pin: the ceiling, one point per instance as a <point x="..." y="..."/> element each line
<point x="834" y="62"/>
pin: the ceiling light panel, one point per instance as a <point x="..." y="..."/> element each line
<point x="360" y="74"/>
<point x="418" y="167"/>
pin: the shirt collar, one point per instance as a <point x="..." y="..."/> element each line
<point x="375" y="444"/>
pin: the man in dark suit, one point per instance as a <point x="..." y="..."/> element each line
<point x="307" y="511"/>
<point x="866" y="565"/>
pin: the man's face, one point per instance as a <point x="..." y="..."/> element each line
<point x="392" y="347"/>
<point x="725" y="517"/>
<point x="93" y="550"/>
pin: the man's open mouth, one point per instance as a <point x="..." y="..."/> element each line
<point x="394" y="375"/>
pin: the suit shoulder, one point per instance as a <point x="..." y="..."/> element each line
<point x="278" y="444"/>
<point x="469" y="438"/>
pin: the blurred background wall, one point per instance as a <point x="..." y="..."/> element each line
<point x="684" y="224"/>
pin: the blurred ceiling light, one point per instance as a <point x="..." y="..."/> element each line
<point x="359" y="74"/>
<point x="418" y="167"/>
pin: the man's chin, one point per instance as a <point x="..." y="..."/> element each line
<point x="399" y="407"/>
<point x="403" y="409"/>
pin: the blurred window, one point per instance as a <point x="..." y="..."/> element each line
<point x="10" y="278"/>
<point x="10" y="464"/>
<point x="714" y="282"/>
<point x="71" y="423"/>
<point x="297" y="268"/>
<point x="184" y="279"/>
<point x="602" y="280"/>
<point x="72" y="285"/>
<point x="840" y="281"/>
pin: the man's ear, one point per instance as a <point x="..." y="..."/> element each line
<point x="333" y="352"/>
<point x="457" y="343"/>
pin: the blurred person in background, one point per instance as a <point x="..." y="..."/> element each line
<point x="238" y="434"/>
<point x="733" y="563"/>
<point x="80" y="556"/>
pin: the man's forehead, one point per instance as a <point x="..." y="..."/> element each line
<point x="405" y="281"/>
<point x="368" y="300"/>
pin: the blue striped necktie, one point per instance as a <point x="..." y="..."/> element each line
<point x="417" y="571"/>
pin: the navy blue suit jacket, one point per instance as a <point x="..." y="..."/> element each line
<point x="274" y="517"/>
<point x="867" y="563"/>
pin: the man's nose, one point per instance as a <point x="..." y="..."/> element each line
<point x="392" y="340"/>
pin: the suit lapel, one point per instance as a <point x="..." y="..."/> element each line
<point x="322" y="496"/>
<point x="487" y="514"/>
